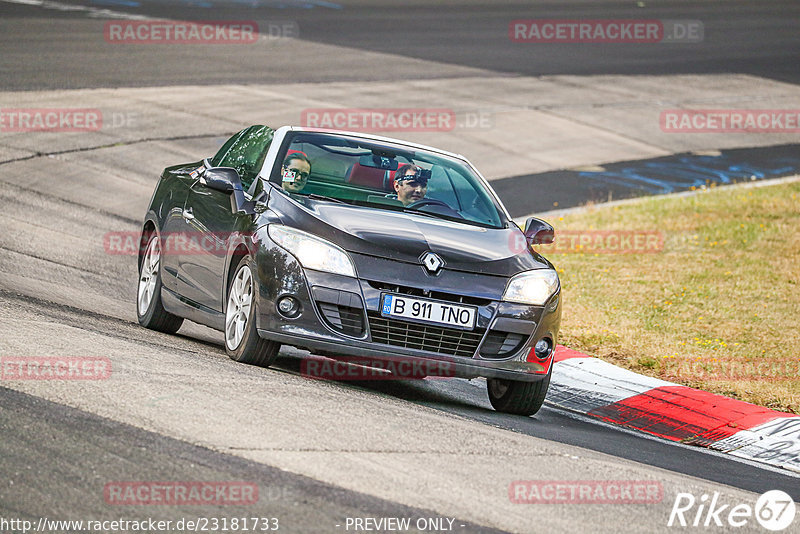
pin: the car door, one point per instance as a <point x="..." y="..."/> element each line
<point x="174" y="224"/>
<point x="210" y="224"/>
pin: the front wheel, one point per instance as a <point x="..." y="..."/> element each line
<point x="242" y="342"/>
<point x="149" y="309"/>
<point x="520" y="398"/>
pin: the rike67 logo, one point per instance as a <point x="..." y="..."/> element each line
<point x="774" y="510"/>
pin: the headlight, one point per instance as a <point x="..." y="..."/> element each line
<point x="532" y="287"/>
<point x="311" y="251"/>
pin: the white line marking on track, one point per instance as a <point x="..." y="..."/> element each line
<point x="91" y="12"/>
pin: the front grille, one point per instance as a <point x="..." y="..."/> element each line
<point x="438" y="295"/>
<point x="443" y="340"/>
<point x="345" y="319"/>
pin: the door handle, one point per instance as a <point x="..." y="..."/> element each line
<point x="187" y="214"/>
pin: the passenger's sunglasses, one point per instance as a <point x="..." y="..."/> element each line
<point x="297" y="173"/>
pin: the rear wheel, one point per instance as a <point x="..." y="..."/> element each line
<point x="149" y="309"/>
<point x="513" y="396"/>
<point x="242" y="342"/>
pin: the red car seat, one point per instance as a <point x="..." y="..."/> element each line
<point x="372" y="177"/>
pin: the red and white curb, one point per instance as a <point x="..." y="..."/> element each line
<point x="599" y="389"/>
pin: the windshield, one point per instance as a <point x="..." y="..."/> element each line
<point x="384" y="176"/>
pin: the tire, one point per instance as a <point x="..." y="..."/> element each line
<point x="515" y="397"/>
<point x="242" y="342"/>
<point x="149" y="309"/>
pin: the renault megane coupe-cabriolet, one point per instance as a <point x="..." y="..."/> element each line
<point x="352" y="245"/>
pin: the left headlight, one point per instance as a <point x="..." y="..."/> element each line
<point x="311" y="251"/>
<point x="532" y="287"/>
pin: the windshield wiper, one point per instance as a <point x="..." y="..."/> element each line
<point x="315" y="196"/>
<point x="426" y="213"/>
<point x="458" y="218"/>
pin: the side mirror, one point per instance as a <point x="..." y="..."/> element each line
<point x="227" y="180"/>
<point x="538" y="232"/>
<point x="224" y="179"/>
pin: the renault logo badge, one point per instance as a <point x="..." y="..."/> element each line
<point x="432" y="262"/>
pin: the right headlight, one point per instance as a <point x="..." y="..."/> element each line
<point x="532" y="287"/>
<point x="313" y="252"/>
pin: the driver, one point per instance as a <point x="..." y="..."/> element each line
<point x="410" y="185"/>
<point x="294" y="172"/>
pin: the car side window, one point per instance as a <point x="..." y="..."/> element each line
<point x="245" y="152"/>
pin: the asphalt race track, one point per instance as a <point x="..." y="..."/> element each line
<point x="743" y="36"/>
<point x="176" y="408"/>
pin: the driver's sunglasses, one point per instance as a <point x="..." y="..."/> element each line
<point x="414" y="181"/>
<point x="298" y="173"/>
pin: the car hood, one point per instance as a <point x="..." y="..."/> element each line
<point x="404" y="236"/>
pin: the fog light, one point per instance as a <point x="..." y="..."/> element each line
<point x="288" y="306"/>
<point x="543" y="348"/>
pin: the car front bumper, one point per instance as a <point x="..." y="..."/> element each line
<point x="340" y="317"/>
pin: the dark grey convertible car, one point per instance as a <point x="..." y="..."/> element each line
<point x="349" y="244"/>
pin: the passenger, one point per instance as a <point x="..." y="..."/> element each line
<point x="294" y="172"/>
<point x="410" y="184"/>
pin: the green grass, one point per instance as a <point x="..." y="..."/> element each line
<point x="724" y="293"/>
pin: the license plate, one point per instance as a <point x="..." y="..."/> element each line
<point x="428" y="311"/>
